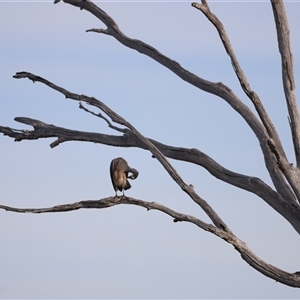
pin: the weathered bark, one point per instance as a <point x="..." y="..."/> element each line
<point x="283" y="38"/>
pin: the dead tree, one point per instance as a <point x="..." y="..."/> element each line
<point x="284" y="198"/>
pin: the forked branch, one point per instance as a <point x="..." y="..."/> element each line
<point x="254" y="185"/>
<point x="277" y="164"/>
<point x="291" y="174"/>
<point x="148" y="144"/>
<point x="275" y="167"/>
<point x="205" y="9"/>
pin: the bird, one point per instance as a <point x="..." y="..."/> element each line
<point x="119" y="171"/>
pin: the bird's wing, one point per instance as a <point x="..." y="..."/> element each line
<point x="112" y="170"/>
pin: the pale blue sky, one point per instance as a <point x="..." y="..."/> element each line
<point x="124" y="251"/>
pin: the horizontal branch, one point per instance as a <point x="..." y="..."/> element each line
<point x="290" y="211"/>
<point x="112" y="201"/>
<point x="267" y="269"/>
<point x="44" y="130"/>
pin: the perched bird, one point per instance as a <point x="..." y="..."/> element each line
<point x="119" y="170"/>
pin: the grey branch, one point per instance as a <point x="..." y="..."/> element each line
<point x="291" y="279"/>
<point x="99" y="115"/>
<point x="205" y="9"/>
<point x="283" y="38"/>
<point x="283" y="201"/>
<point x="291" y="174"/>
<point x="290" y="211"/>
<point x="143" y="140"/>
<point x="269" y="148"/>
<point x="279" y="170"/>
<point x="44" y="130"/>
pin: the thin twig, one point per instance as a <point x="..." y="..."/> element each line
<point x="99" y="115"/>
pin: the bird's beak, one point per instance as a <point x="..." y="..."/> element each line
<point x="134" y="174"/>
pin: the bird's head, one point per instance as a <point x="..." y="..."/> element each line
<point x="134" y="174"/>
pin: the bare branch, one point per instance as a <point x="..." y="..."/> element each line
<point x="274" y="167"/>
<point x="44" y="130"/>
<point x="287" y="213"/>
<point x="283" y="201"/>
<point x="254" y="261"/>
<point x="283" y="37"/>
<point x="151" y="147"/>
<point x="275" y="157"/>
<point x="290" y="211"/>
<point x="292" y="175"/>
<point x="102" y="117"/>
<point x="218" y="89"/>
<point x="98" y="30"/>
<point x="112" y="201"/>
<point x="204" y="8"/>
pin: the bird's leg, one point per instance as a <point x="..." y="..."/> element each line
<point x="116" y="195"/>
<point x="123" y="195"/>
<point x="116" y="198"/>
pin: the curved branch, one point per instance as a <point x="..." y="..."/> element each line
<point x="218" y="89"/>
<point x="290" y="211"/>
<point x="151" y="147"/>
<point x="292" y="175"/>
<point x="246" y="253"/>
<point x="99" y="115"/>
<point x="204" y="8"/>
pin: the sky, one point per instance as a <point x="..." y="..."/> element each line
<point x="126" y="251"/>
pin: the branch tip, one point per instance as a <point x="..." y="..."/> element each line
<point x="98" y="30"/>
